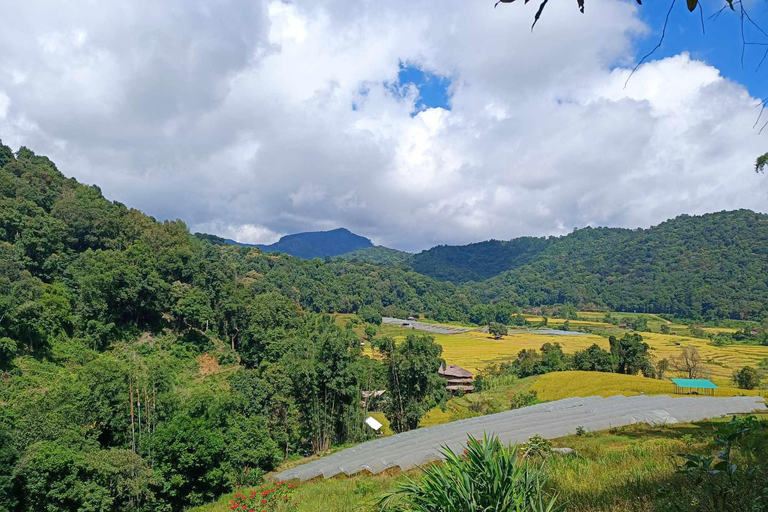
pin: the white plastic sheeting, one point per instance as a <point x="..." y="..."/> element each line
<point x="550" y="420"/>
<point x="421" y="326"/>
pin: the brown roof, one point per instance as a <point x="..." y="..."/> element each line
<point x="454" y="371"/>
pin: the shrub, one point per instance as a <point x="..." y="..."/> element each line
<point x="487" y="476"/>
<point x="727" y="481"/>
<point x="747" y="378"/>
<point x="580" y="431"/>
<point x="277" y="497"/>
<point x="523" y="399"/>
<point x="537" y="446"/>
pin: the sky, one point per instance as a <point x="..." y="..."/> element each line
<point x="414" y="123"/>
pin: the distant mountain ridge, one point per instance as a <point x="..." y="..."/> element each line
<point x="712" y="266"/>
<point x="314" y="244"/>
<point x="378" y="255"/>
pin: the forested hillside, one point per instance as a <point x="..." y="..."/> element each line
<point x="142" y="368"/>
<point x="475" y="262"/>
<point x="715" y="265"/>
<point x="378" y="255"/>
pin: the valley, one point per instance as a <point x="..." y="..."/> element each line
<point x="136" y="355"/>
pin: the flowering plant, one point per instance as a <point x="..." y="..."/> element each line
<point x="276" y="497"/>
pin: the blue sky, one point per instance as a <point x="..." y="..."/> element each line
<point x="720" y="46"/>
<point x="433" y="89"/>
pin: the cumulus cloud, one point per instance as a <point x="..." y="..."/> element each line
<point x="252" y="119"/>
<point x="245" y="233"/>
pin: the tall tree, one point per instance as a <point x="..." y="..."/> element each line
<point x="414" y="385"/>
<point x="689" y="363"/>
<point x="630" y="353"/>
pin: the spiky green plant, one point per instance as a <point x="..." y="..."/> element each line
<point x="487" y="477"/>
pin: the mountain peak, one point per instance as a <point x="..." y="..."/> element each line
<point x="317" y="244"/>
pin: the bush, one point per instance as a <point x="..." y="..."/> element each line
<point x="537" y="446"/>
<point x="487" y="476"/>
<point x="747" y="378"/>
<point x="523" y="399"/>
<point x="277" y="497"/>
<point x="730" y="480"/>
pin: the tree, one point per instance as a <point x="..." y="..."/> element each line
<point x="527" y="363"/>
<point x="593" y="359"/>
<point x="497" y="330"/>
<point x="414" y="385"/>
<point x="370" y="331"/>
<point x="369" y="315"/>
<point x="7" y="352"/>
<point x="689" y="363"/>
<point x="567" y="312"/>
<point x="747" y="378"/>
<point x="9" y="455"/>
<point x="59" y="479"/>
<point x="326" y="378"/>
<point x="192" y="307"/>
<point x="552" y="358"/>
<point x="661" y="368"/>
<point x="664" y="329"/>
<point x="188" y="454"/>
<point x="251" y="451"/>
<point x="629" y="352"/>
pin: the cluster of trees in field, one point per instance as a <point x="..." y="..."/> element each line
<point x="144" y="368"/>
<point x="700" y="267"/>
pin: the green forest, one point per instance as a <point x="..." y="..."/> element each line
<point x="109" y="320"/>
<point x="704" y="267"/>
<point x="146" y="368"/>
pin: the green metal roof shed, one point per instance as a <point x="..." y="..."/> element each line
<point x="700" y="386"/>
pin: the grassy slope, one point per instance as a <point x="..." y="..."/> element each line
<point x="617" y="470"/>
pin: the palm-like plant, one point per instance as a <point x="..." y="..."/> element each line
<point x="487" y="477"/>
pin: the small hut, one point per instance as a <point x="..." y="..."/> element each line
<point x="694" y="386"/>
<point x="456" y="378"/>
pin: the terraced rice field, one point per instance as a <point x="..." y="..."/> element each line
<point x="474" y="350"/>
<point x="557" y="385"/>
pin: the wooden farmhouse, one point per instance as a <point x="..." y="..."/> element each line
<point x="456" y="378"/>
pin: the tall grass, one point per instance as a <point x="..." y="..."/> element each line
<point x="488" y="476"/>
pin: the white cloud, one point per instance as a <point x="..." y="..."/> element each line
<point x="4" y="104"/>
<point x="245" y="233"/>
<point x="237" y="117"/>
